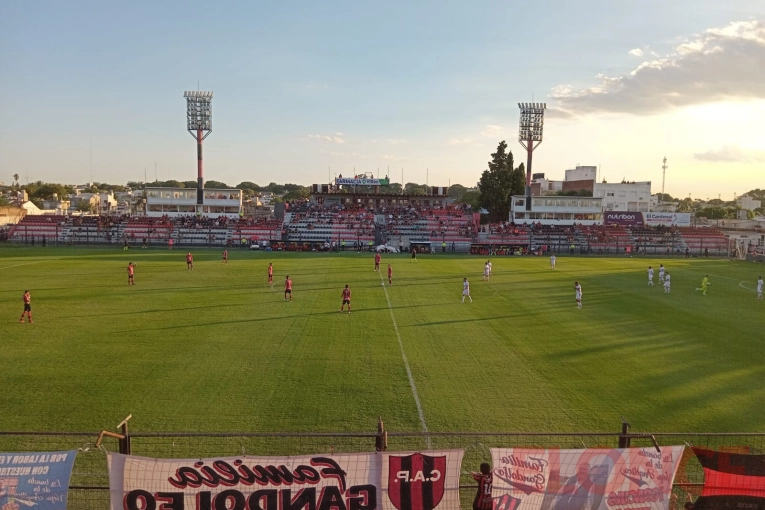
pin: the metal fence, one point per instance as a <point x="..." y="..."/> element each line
<point x="89" y="486"/>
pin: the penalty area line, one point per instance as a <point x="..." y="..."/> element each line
<point x="24" y="264"/>
<point x="420" y="413"/>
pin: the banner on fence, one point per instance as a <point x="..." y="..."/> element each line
<point x="626" y="219"/>
<point x="358" y="181"/>
<point x="35" y="480"/>
<point x="366" y="481"/>
<point x="731" y="480"/>
<point x="589" y="479"/>
<point x="653" y="219"/>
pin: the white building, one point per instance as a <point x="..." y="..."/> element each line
<point x="582" y="173"/>
<point x="748" y="203"/>
<point x="557" y="210"/>
<point x="183" y="202"/>
<point x="628" y="197"/>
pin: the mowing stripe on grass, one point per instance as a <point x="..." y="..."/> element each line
<point x="24" y="264"/>
<point x="406" y="365"/>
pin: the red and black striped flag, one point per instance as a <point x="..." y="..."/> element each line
<point x="732" y="481"/>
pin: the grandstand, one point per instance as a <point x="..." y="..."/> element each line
<point x="309" y="226"/>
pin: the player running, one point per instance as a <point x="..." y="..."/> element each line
<point x="225" y="256"/>
<point x="759" y="288"/>
<point x="704" y="284"/>
<point x="490" y="268"/>
<point x="27" y="297"/>
<point x="578" y="289"/>
<point x="662" y="272"/>
<point x="131" y="273"/>
<point x="486" y="271"/>
<point x="466" y="290"/>
<point x="288" y="288"/>
<point x="666" y="283"/>
<point x="650" y="276"/>
<point x="390" y="275"/>
<point x="377" y="261"/>
<point x="270" y="273"/>
<point x="552" y="262"/>
<point x="189" y="261"/>
<point x="346" y="299"/>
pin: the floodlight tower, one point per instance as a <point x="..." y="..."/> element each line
<point x="663" y="177"/>
<point x="530" y="136"/>
<point x="199" y="124"/>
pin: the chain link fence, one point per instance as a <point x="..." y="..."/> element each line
<point x="89" y="486"/>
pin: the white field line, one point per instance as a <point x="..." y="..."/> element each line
<point x="24" y="264"/>
<point x="741" y="284"/>
<point x="406" y="365"/>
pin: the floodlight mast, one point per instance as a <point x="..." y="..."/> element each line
<point x="199" y="124"/>
<point x="530" y="136"/>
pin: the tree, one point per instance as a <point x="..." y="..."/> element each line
<point x="685" y="205"/>
<point x="83" y="206"/>
<point x="4" y="202"/>
<point x="412" y="188"/>
<point x="190" y="184"/>
<point x="518" y="180"/>
<point x="496" y="184"/>
<point x="394" y="188"/>
<point x="473" y="198"/>
<point x="248" y="185"/>
<point x="456" y="191"/>
<point x="298" y="194"/>
<point x="16" y="178"/>
<point x="215" y="185"/>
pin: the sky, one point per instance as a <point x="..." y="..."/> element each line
<point x="308" y="90"/>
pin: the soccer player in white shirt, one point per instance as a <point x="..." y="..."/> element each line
<point x="490" y="268"/>
<point x="466" y="290"/>
<point x="661" y="273"/>
<point x="578" y="289"/>
<point x="759" y="287"/>
<point x="650" y="276"/>
<point x="552" y="261"/>
<point x="666" y="283"/>
<point x="486" y="271"/>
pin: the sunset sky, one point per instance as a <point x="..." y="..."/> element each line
<point x="304" y="86"/>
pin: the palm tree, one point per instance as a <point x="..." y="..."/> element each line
<point x="16" y="178"/>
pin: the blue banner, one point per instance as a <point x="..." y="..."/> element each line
<point x="38" y="480"/>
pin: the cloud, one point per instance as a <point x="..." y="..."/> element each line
<point x="492" y="131"/>
<point x="460" y="141"/>
<point x="717" y="65"/>
<point x="636" y="52"/>
<point x="335" y="138"/>
<point x="731" y="154"/>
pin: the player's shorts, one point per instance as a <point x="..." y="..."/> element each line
<point x="465" y="292"/>
<point x="288" y="291"/>
<point x="346" y="301"/>
<point x="27" y="307"/>
<point x="578" y="297"/>
<point x="414" y="255"/>
<point x="377" y="264"/>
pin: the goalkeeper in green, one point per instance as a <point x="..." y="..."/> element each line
<point x="704" y="284"/>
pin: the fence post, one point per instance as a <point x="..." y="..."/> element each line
<point x="381" y="439"/>
<point x="624" y="440"/>
<point x="124" y="443"/>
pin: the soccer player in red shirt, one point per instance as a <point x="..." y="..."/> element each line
<point x="287" y="288"/>
<point x="189" y="261"/>
<point x="485" y="481"/>
<point x="377" y="261"/>
<point x="131" y="273"/>
<point x="390" y="275"/>
<point x="27" y="297"/>
<point x="270" y="273"/>
<point x="346" y="299"/>
<point x="225" y="256"/>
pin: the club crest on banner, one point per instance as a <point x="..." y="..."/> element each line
<point x="416" y="482"/>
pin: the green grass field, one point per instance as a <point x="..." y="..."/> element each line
<point x="217" y="349"/>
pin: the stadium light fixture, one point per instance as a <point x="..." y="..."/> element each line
<point x="530" y="131"/>
<point x="199" y="124"/>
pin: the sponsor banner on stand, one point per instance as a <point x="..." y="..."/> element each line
<point x="366" y="481"/>
<point x="626" y="219"/>
<point x="35" y="480"/>
<point x="588" y="479"/>
<point x="657" y="219"/>
<point x="352" y="181"/>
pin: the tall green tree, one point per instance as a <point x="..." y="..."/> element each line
<point x="519" y="181"/>
<point x="496" y="184"/>
<point x="456" y="191"/>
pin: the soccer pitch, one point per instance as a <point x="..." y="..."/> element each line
<point x="218" y="349"/>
